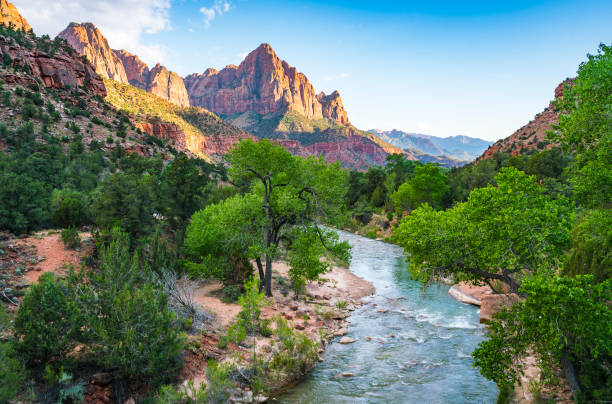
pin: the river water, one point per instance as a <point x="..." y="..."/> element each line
<point x="418" y="351"/>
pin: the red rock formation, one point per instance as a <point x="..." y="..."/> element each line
<point x="167" y="85"/>
<point x="87" y="40"/>
<point x="264" y="84"/>
<point x="164" y="130"/>
<point x="57" y="71"/>
<point x="531" y="135"/>
<point x="333" y="108"/>
<point x="9" y="16"/>
<point x="136" y="71"/>
<point x="122" y="66"/>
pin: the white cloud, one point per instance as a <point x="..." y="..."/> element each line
<point x="218" y="8"/>
<point x="337" y="77"/>
<point x="122" y="22"/>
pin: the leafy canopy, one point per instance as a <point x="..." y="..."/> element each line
<point x="501" y="233"/>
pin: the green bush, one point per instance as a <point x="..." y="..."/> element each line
<point x="70" y="238"/>
<point x="11" y="368"/>
<point x="69" y="208"/>
<point x="231" y="293"/>
<point x="45" y="322"/>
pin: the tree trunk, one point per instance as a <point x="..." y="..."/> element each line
<point x="570" y="375"/>
<point x="262" y="276"/>
<point x="268" y="282"/>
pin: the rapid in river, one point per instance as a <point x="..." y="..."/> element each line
<point x="413" y="343"/>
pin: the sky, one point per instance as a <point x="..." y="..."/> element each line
<point x="439" y="67"/>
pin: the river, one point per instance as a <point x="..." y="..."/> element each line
<point x="413" y="343"/>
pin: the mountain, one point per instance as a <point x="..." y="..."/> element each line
<point x="271" y="99"/>
<point x="122" y="66"/>
<point x="88" y="41"/>
<point x="264" y="84"/>
<point x="533" y="135"/>
<point x="9" y="16"/>
<point x="460" y="147"/>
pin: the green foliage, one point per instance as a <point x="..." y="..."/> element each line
<point x="128" y="321"/>
<point x="70" y="238"/>
<point x="69" y="208"/>
<point x="499" y="233"/>
<point x="12" y="369"/>
<point x="23" y="202"/>
<point x="127" y="200"/>
<point x="45" y="322"/>
<point x="591" y="251"/>
<point x="428" y="185"/>
<point x="562" y="316"/>
<point x="248" y="320"/>
<point x="586" y="128"/>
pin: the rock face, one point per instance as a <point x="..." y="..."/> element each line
<point x="533" y="135"/>
<point x="167" y="85"/>
<point x="123" y="66"/>
<point x="9" y="16"/>
<point x="332" y="107"/>
<point x="136" y="71"/>
<point x="492" y="304"/>
<point x="87" y="40"/>
<point x="57" y="71"/>
<point x="263" y="84"/>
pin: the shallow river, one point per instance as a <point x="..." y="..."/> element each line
<point x="419" y="351"/>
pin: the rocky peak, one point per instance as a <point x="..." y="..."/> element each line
<point x="136" y="71"/>
<point x="264" y="84"/>
<point x="87" y="40"/>
<point x="9" y="16"/>
<point x="333" y="108"/>
<point x="168" y="85"/>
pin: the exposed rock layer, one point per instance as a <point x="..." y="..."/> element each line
<point x="264" y="84"/>
<point x="122" y="66"/>
<point x="9" y="16"/>
<point x="58" y="71"/>
<point x="88" y="41"/>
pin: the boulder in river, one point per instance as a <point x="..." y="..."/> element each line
<point x="346" y="340"/>
<point x="492" y="304"/>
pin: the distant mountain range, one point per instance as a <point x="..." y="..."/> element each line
<point x="462" y="148"/>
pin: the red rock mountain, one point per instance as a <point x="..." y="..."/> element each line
<point x="122" y="66"/>
<point x="87" y="40"/>
<point x="532" y="135"/>
<point x="263" y="84"/>
<point x="9" y="16"/>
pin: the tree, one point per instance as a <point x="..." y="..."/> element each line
<point x="24" y="202"/>
<point x="292" y="193"/>
<point x="181" y="189"/>
<point x="501" y="233"/>
<point x="45" y="322"/>
<point x="428" y="185"/>
<point x="585" y="127"/>
<point x="127" y="200"/>
<point x="563" y="320"/>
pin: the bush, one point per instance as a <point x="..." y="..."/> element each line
<point x="231" y="293"/>
<point x="12" y="370"/>
<point x="45" y="322"/>
<point x="70" y="238"/>
<point x="69" y="208"/>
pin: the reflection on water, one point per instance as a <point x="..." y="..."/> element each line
<point x="418" y="351"/>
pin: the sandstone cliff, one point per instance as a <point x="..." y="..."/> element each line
<point x="533" y="135"/>
<point x="87" y="40"/>
<point x="9" y="16"/>
<point x="58" y="71"/>
<point x="122" y="66"/>
<point x="263" y="84"/>
<point x="136" y="71"/>
<point x="167" y="85"/>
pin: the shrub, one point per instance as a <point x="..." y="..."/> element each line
<point x="70" y="238"/>
<point x="45" y="322"/>
<point x="231" y="293"/>
<point x="69" y="208"/>
<point x="12" y="370"/>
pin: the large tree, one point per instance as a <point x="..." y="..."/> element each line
<point x="501" y="233"/>
<point x="287" y="196"/>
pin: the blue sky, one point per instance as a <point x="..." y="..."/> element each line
<point x="477" y="68"/>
